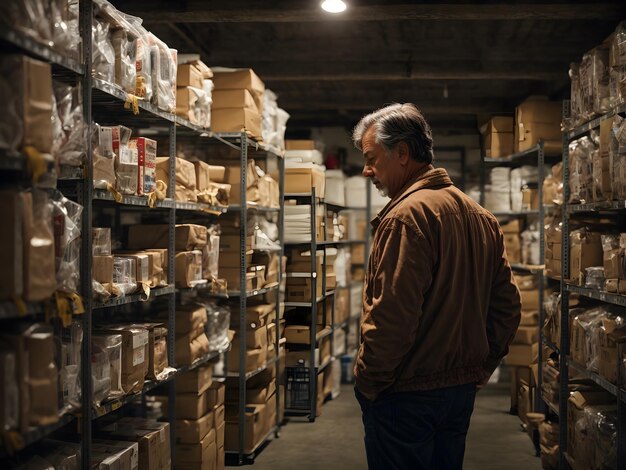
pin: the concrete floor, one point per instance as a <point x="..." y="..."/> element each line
<point x="335" y="440"/>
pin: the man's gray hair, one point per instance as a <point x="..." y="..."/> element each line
<point x="398" y="122"/>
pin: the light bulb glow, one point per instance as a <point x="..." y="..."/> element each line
<point x="334" y="6"/>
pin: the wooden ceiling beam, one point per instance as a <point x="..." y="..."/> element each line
<point x="201" y="11"/>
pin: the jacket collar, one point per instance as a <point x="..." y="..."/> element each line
<point x="428" y="177"/>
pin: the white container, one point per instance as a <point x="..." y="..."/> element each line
<point x="356" y="194"/>
<point x="335" y="187"/>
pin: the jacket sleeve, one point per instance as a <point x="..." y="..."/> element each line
<point x="400" y="271"/>
<point x="505" y="307"/>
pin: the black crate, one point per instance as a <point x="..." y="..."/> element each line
<point x="298" y="388"/>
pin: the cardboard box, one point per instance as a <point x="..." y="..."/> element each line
<point x="142" y="266"/>
<point x="217" y="173"/>
<point x="189" y="350"/>
<point x="522" y="354"/>
<point x="526" y="335"/>
<point x="255" y="358"/>
<point x="530" y="199"/>
<point x="30" y="86"/>
<point x="188" y="237"/>
<point x="300" y="334"/>
<point x="191" y="431"/>
<point x="185" y="178"/>
<point x="220" y="419"/>
<point x="232" y="276"/>
<point x="238" y="98"/>
<point x="154" y="449"/>
<point x="147" y="157"/>
<point x="203" y="451"/>
<point x="357" y="253"/>
<point x="530" y="299"/>
<point x="203" y="175"/>
<point x="300" y="289"/>
<point x="499" y="144"/>
<point x="513" y="247"/>
<point x="157" y="348"/>
<point x="189" y="269"/>
<point x="576" y="404"/>
<point x="189" y="75"/>
<point x="195" y="381"/>
<point x="236" y="120"/>
<point x="216" y="395"/>
<point x="190" y="406"/>
<point x="537" y="118"/>
<point x="301" y="180"/>
<point x="497" y="124"/>
<point x="12" y="246"/>
<point x="111" y="454"/>
<point x="191" y="105"/>
<point x="238" y="79"/>
<point x="135" y="355"/>
<point x="584" y="255"/>
<point x="613" y="264"/>
<point x="254" y="425"/>
<point x="300" y="144"/>
<point x="102" y="268"/>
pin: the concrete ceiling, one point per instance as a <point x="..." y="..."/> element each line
<point x="458" y="61"/>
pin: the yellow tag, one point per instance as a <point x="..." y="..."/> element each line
<point x="152" y="199"/>
<point x="132" y="103"/>
<point x="36" y="163"/>
<point x="13" y="441"/>
<point x="116" y="194"/>
<point x="21" y="307"/>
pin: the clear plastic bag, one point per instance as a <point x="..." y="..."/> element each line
<point x="124" y="275"/>
<point x="617" y="156"/>
<point x="109" y="365"/>
<point x="63" y="17"/>
<point x="581" y="172"/>
<point x="71" y="345"/>
<point x="67" y="222"/>
<point x="125" y="71"/>
<point x="217" y="326"/>
<point x="69" y="145"/>
<point x="164" y="70"/>
<point x="29" y="17"/>
<point x="103" y="55"/>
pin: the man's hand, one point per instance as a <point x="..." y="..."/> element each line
<point x="483" y="381"/>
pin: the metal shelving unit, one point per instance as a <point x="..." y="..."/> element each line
<point x="533" y="156"/>
<point x="566" y="364"/>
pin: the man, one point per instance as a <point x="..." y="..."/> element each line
<point x="440" y="304"/>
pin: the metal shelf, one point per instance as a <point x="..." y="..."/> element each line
<point x="253" y="142"/>
<point x="515" y="158"/>
<point x="303" y="196"/>
<point x="252" y="373"/>
<point x="195" y="207"/>
<point x="38" y="433"/>
<point x="128" y="200"/>
<point x="515" y="213"/>
<point x="553" y="407"/>
<point x="115" y="404"/>
<point x="258" y="446"/>
<point x="601" y="381"/>
<point x="129" y="299"/>
<point x="9" y="310"/>
<point x="595" y="123"/>
<point x="532" y="268"/>
<point x="40" y="50"/>
<point x="310" y="304"/>
<point x="615" y="299"/>
<point x="596" y="207"/>
<point x="236" y="293"/>
<point x="253" y="207"/>
<point x="199" y="362"/>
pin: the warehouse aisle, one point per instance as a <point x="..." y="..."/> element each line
<point x="335" y="440"/>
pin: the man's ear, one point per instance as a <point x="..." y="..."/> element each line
<point x="403" y="153"/>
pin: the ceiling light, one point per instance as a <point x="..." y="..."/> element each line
<point x="333" y="6"/>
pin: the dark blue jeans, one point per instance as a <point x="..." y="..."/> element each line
<point x="417" y="430"/>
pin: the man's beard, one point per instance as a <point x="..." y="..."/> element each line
<point x="382" y="190"/>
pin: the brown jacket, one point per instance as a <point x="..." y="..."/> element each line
<point x="440" y="304"/>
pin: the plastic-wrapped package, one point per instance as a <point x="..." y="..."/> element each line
<point x="100" y="373"/>
<point x="103" y="55"/>
<point x="67" y="222"/>
<point x="127" y="171"/>
<point x="530" y="246"/>
<point x="575" y="96"/>
<point x="581" y="172"/>
<point x="617" y="156"/>
<point x="601" y="425"/>
<point x="111" y="346"/>
<point x="600" y="90"/>
<point x="591" y="322"/>
<point x="63" y="17"/>
<point x="29" y="17"/>
<point x="124" y="274"/>
<point x="617" y="55"/>
<point x="101" y="241"/>
<point x="103" y="158"/>
<point x="70" y="130"/>
<point x="217" y="326"/>
<point x="163" y="74"/>
<point x="71" y="345"/>
<point x="211" y="253"/>
<point x="594" y="277"/>
<point x="194" y="104"/>
<point x="553" y="186"/>
<point x="124" y="49"/>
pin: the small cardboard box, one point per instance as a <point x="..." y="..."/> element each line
<point x="576" y="404"/>
<point x="499" y="144"/>
<point x="191" y="405"/>
<point x="216" y="395"/>
<point x="142" y="264"/>
<point x="301" y="334"/>
<point x="190" y="318"/>
<point x="111" y="454"/>
<point x="300" y="145"/>
<point x="255" y="358"/>
<point x="135" y="356"/>
<point x="254" y="425"/>
<point x="195" y="381"/>
<point x="189" y="350"/>
<point x="526" y="335"/>
<point x="237" y="98"/>
<point x="189" y="75"/>
<point x="522" y="354"/>
<point x="102" y="268"/>
<point x="537" y="118"/>
<point x="191" y="431"/>
<point x="236" y="120"/>
<point x="497" y="124"/>
<point x="586" y="254"/>
<point x="238" y="79"/>
<point x="301" y="180"/>
<point x="530" y="299"/>
<point x="157" y="348"/>
<point x="203" y="175"/>
<point x="189" y="269"/>
<point x="203" y="451"/>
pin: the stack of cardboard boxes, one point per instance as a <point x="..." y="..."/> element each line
<point x="613" y="248"/>
<point x="193" y="92"/>
<point x="537" y="118"/>
<point x="230" y="260"/>
<point x="303" y="174"/>
<point x="498" y="135"/>
<point x="585" y="251"/>
<point x="152" y="438"/>
<point x="191" y="340"/>
<point x="237" y="102"/>
<point x="200" y="424"/>
<point x="260" y="410"/>
<point x="192" y="247"/>
<point x="523" y="352"/>
<point x="553" y="248"/>
<point x="512" y="241"/>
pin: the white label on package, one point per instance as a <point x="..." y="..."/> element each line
<point x="139" y="355"/>
<point x="140" y="339"/>
<point x="106" y="141"/>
